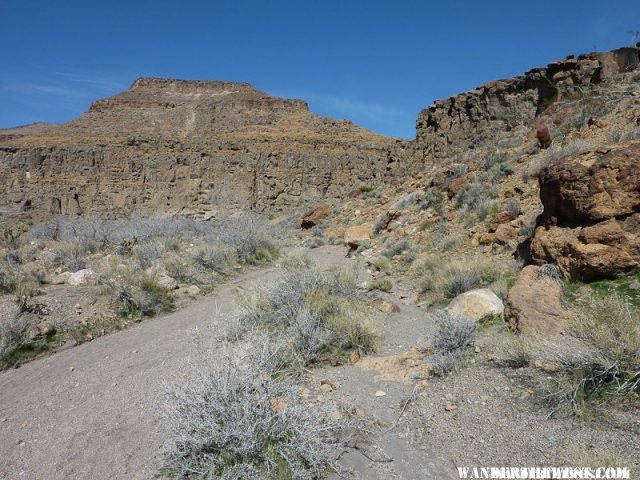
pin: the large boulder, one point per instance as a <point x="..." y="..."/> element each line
<point x="476" y="304"/>
<point x="590" y="226"/>
<point x="354" y="236"/>
<point x="82" y="277"/>
<point x="533" y="304"/>
<point x="315" y="216"/>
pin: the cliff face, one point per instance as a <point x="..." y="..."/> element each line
<point x="189" y="147"/>
<point x="472" y="118"/>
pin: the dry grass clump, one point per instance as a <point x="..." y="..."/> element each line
<point x="384" y="284"/>
<point x="137" y="293"/>
<point x="445" y="279"/>
<point x="453" y="335"/>
<point x="238" y="417"/>
<point x="597" y="364"/>
<point x="12" y="333"/>
<point x="555" y="152"/>
<point x="318" y="313"/>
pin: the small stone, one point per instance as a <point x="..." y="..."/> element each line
<point x="387" y="307"/>
<point x="326" y="388"/>
<point x="277" y="404"/>
<point x="478" y="350"/>
<point x="71" y="369"/>
<point x="380" y="393"/>
<point x="193" y="291"/>
<point x="354" y="357"/>
<point x="335" y="415"/>
<point x="450" y="407"/>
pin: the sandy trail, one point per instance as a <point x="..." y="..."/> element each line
<point x="91" y="412"/>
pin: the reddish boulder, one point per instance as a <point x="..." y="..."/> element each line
<point x="590" y="226"/>
<point x="533" y="304"/>
<point x="315" y="216"/>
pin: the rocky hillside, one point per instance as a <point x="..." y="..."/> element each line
<point x="188" y="147"/>
<point x="471" y="119"/>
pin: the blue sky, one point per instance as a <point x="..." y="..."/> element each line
<point x="376" y="62"/>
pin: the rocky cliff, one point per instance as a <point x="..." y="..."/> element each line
<point x="188" y="147"/>
<point x="473" y="118"/>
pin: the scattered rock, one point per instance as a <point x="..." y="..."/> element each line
<point x="315" y="216"/>
<point x="533" y="304"/>
<point x="387" y="307"/>
<point x="277" y="404"/>
<point x="193" y="291"/>
<point x="380" y="393"/>
<point x="326" y="388"/>
<point x="449" y="407"/>
<point x="78" y="309"/>
<point x="60" y="278"/>
<point x="45" y="328"/>
<point x="354" y="236"/>
<point x="82" y="277"/>
<point x="354" y="357"/>
<point x="476" y="304"/>
<point x="166" y="281"/>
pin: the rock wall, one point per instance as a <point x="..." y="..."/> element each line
<point x="189" y="147"/>
<point x="472" y="118"/>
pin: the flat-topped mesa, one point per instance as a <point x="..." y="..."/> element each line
<point x="465" y="120"/>
<point x="192" y="148"/>
<point x="195" y="104"/>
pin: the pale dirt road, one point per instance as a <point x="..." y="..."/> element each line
<point x="92" y="411"/>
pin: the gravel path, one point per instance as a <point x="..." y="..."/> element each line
<point x="91" y="412"/>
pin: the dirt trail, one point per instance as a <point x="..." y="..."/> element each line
<point x="91" y="412"/>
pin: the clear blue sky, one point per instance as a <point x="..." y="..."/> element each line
<point x="375" y="62"/>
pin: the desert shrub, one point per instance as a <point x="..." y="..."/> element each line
<point x="512" y="207"/>
<point x="477" y="198"/>
<point x="446" y="280"/>
<point x="12" y="333"/>
<point x="433" y="198"/>
<point x="366" y="188"/>
<point x="555" y="152"/>
<point x="633" y="134"/>
<point x="405" y="201"/>
<point x="70" y="255"/>
<point x="137" y="293"/>
<point x="383" y="284"/>
<point x="218" y="258"/>
<point x="313" y="310"/>
<point x="237" y="418"/>
<point x="604" y="366"/>
<point x="395" y="248"/>
<point x="249" y="236"/>
<point x="382" y="264"/>
<point x="549" y="270"/>
<point x="454" y="333"/>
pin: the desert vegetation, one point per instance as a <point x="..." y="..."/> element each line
<point x="243" y="414"/>
<point x="138" y="265"/>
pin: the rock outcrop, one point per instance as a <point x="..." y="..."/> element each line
<point x="590" y="226"/>
<point x="189" y="147"/>
<point x="466" y="120"/>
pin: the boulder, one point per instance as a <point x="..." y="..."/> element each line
<point x="590" y="226"/>
<point x="476" y="304"/>
<point x="82" y="277"/>
<point x="533" y="304"/>
<point x="354" y="236"/>
<point x="193" y="291"/>
<point x="167" y="281"/>
<point x="315" y="216"/>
